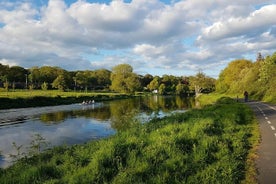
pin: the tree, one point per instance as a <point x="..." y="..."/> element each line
<point x="162" y="89"/>
<point x="202" y="82"/>
<point x="123" y="79"/>
<point x="102" y="77"/>
<point x="181" y="89"/>
<point x="44" y="86"/>
<point x="154" y="84"/>
<point x="17" y="74"/>
<point x="230" y="77"/>
<point x="83" y="78"/>
<point x="59" y="83"/>
<point x="145" y="80"/>
<point x="4" y="69"/>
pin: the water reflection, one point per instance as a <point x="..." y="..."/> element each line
<point x="121" y="112"/>
<point x="78" y="124"/>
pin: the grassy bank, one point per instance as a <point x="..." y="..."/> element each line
<point x="208" y="145"/>
<point x="36" y="98"/>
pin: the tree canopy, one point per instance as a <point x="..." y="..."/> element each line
<point x="124" y="80"/>
<point x="120" y="79"/>
<point x="258" y="78"/>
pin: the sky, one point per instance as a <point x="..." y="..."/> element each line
<point x="157" y="37"/>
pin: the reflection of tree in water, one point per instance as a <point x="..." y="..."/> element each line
<point x="54" y="118"/>
<point x="166" y="103"/>
<point x="184" y="103"/>
<point x="123" y="113"/>
<point x="102" y="114"/>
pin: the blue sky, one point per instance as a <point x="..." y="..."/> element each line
<point x="158" y="37"/>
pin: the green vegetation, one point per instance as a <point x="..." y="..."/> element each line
<point x="124" y="80"/>
<point x="121" y="79"/>
<point x="208" y="145"/>
<point x="37" y="98"/>
<point x="258" y="78"/>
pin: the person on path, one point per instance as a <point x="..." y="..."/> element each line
<point x="245" y="96"/>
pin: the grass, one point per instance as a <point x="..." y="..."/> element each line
<point x="211" y="98"/>
<point x="208" y="145"/>
<point x="34" y="98"/>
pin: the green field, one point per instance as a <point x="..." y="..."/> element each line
<point x="49" y="93"/>
<point x="214" y="144"/>
<point x="37" y="98"/>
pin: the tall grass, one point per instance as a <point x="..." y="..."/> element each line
<point x="208" y="145"/>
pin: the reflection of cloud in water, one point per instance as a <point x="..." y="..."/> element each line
<point x="71" y="131"/>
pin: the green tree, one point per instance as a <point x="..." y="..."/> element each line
<point x="4" y="69"/>
<point x="162" y="89"/>
<point x="102" y="78"/>
<point x="6" y="85"/>
<point x="123" y="79"/>
<point x="230" y="77"/>
<point x="181" y="89"/>
<point x="59" y="83"/>
<point x="17" y="74"/>
<point x="83" y="78"/>
<point x="44" y="86"/>
<point x="202" y="82"/>
<point x="145" y="80"/>
<point x="154" y="84"/>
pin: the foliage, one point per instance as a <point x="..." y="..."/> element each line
<point x="44" y="86"/>
<point x="258" y="78"/>
<point x="202" y="82"/>
<point x="59" y="83"/>
<point x="124" y="80"/>
<point x="208" y="145"/>
<point x="181" y="89"/>
<point x="162" y="89"/>
<point x="154" y="84"/>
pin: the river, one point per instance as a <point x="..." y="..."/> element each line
<point x="22" y="130"/>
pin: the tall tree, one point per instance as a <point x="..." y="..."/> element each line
<point x="202" y="82"/>
<point x="230" y="77"/>
<point x="123" y="79"/>
<point x="154" y="84"/>
<point x="59" y="83"/>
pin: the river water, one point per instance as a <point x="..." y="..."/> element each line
<point x="23" y="129"/>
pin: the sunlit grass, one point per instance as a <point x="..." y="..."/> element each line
<point x="34" y="98"/>
<point x="49" y="93"/>
<point x="208" y="145"/>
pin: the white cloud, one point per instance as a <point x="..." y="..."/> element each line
<point x="154" y="33"/>
<point x="257" y="21"/>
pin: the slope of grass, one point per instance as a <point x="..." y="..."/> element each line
<point x="208" y="145"/>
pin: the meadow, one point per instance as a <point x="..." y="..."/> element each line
<point x="214" y="144"/>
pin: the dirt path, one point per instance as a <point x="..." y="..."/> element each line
<point x="266" y="162"/>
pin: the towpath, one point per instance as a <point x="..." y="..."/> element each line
<point x="266" y="162"/>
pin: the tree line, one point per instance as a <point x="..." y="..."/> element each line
<point x="258" y="78"/>
<point x="120" y="79"/>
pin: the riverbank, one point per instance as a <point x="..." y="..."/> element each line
<point x="39" y="98"/>
<point x="208" y="145"/>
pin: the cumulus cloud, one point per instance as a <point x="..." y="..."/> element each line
<point x="179" y="36"/>
<point x="256" y="22"/>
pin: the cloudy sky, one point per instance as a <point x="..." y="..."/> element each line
<point x="177" y="37"/>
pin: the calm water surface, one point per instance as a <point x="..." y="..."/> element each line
<point x="75" y="124"/>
